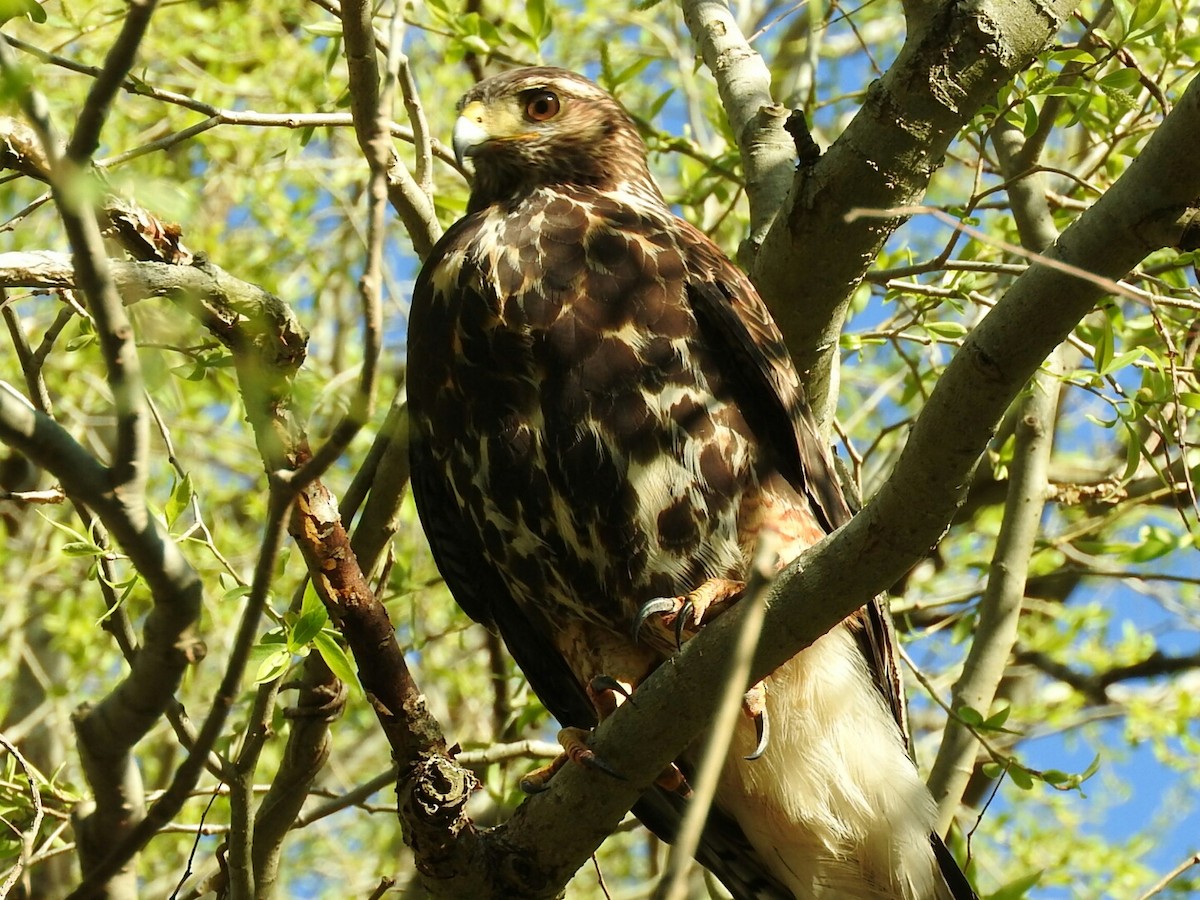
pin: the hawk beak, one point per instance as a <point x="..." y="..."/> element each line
<point x="469" y="131"/>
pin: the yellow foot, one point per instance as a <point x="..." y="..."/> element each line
<point x="576" y="750"/>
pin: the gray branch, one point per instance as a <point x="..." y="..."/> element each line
<point x="414" y="206"/>
<point x="812" y="259"/>
<point x="744" y="83"/>
<point x="1028" y="490"/>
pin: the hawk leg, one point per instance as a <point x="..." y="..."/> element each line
<point x="684" y="615"/>
<point x="576" y="750"/>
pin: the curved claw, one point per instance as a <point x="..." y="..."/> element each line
<point x="575" y="748"/>
<point x="532" y="784"/>
<point x="657" y="606"/>
<point x="762" y="728"/>
<point x="602" y="684"/>
<point x="682" y="620"/>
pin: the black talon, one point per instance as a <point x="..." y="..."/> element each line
<point x="681" y="620"/>
<point x="608" y="683"/>
<point x="762" y="728"/>
<point x="650" y="608"/>
<point x="592" y="761"/>
<point x="531" y="786"/>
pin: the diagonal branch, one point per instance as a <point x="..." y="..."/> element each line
<point x="812" y="259"/>
<point x="86" y="137"/>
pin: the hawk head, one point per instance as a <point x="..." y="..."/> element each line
<point x="544" y="127"/>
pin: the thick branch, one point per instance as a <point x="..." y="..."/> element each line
<point x="812" y="258"/>
<point x="768" y="152"/>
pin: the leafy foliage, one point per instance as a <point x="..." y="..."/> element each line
<point x="233" y="125"/>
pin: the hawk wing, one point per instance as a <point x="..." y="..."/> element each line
<point x="738" y="327"/>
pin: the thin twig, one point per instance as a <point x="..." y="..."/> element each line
<point x="1161" y="884"/>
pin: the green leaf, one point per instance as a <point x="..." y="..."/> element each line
<point x="181" y="496"/>
<point x="11" y="9"/>
<point x="324" y="29"/>
<point x="1018" y="887"/>
<point x="1143" y="12"/>
<point x="969" y="716"/>
<point x="335" y="657"/>
<point x="81" y="548"/>
<point x="1082" y="57"/>
<point x="1020" y="776"/>
<point x="1031" y="118"/>
<point x="1133" y="452"/>
<point x="946" y="329"/>
<point x="237" y="592"/>
<point x="273" y="666"/>
<point x="313" y="617"/>
<point x="1189" y="399"/>
<point x="1104" y="346"/>
<point x="996" y="721"/>
<point x="538" y="18"/>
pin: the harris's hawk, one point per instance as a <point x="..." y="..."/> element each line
<point x="604" y="414"/>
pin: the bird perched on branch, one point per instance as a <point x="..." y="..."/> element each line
<point x="605" y="422"/>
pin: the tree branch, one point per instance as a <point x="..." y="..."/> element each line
<point x="86" y="137"/>
<point x="768" y="152"/>
<point x="1094" y="685"/>
<point x="812" y="259"/>
<point x="412" y="204"/>
<point x="1028" y="490"/>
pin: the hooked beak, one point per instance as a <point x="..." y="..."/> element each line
<point x="469" y="131"/>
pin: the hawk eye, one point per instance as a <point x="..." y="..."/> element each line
<point x="541" y="105"/>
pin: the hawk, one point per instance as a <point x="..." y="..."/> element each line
<point x="603" y="416"/>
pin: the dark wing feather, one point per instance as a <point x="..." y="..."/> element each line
<point x="737" y="324"/>
<point x="734" y="318"/>
<point x="478" y="588"/>
<point x="738" y="327"/>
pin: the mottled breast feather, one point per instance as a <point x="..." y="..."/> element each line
<point x="570" y="372"/>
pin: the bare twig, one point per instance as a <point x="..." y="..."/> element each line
<point x="1162" y="883"/>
